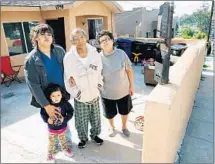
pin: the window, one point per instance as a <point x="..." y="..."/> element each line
<point x="94" y="27"/>
<point x="17" y="37"/>
<point x="98" y="24"/>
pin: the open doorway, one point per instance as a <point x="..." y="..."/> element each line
<point x="59" y="31"/>
<point x="95" y="25"/>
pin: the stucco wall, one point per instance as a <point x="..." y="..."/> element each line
<point x="126" y="21"/>
<point x="95" y="9"/>
<point x="168" y="107"/>
<point x="147" y="19"/>
<point x="11" y="14"/>
<point x="83" y="19"/>
<point x="17" y="16"/>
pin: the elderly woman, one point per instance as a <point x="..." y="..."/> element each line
<point x="83" y="81"/>
<point x="118" y="82"/>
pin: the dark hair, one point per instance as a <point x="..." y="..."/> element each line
<point x="103" y="33"/>
<point x="41" y="28"/>
<point x="53" y="88"/>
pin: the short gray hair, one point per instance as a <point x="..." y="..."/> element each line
<point x="75" y="31"/>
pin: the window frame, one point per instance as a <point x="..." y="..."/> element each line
<point x="23" y="31"/>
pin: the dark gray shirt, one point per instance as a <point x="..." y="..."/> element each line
<point x="116" y="82"/>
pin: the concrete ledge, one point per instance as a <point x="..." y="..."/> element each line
<point x="168" y="107"/>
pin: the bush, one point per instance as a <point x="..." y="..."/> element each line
<point x="200" y="35"/>
<point x="186" y="32"/>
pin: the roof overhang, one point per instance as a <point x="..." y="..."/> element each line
<point x="113" y="6"/>
<point x="18" y="8"/>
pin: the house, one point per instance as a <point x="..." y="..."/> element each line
<point x="139" y="22"/>
<point x="18" y="17"/>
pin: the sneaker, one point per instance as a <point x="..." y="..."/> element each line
<point x="82" y="144"/>
<point x="126" y="132"/>
<point x="68" y="153"/>
<point x="111" y="132"/>
<point x="97" y="140"/>
<point x="50" y="159"/>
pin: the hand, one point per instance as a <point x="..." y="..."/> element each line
<point x="61" y="119"/>
<point x="72" y="82"/>
<point x="100" y="88"/>
<point x="50" y="121"/>
<point x="52" y="111"/>
<point x="131" y="91"/>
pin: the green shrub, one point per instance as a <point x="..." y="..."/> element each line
<point x="200" y="35"/>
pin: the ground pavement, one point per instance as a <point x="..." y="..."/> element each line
<point x="24" y="134"/>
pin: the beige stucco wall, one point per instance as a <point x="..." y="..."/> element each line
<point x="168" y="107"/>
<point x="83" y="19"/>
<point x="70" y="13"/>
<point x="54" y="14"/>
<point x="16" y="16"/>
<point x="96" y="9"/>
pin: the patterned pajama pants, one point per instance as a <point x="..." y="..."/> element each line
<point x="68" y="140"/>
<point x="85" y="113"/>
<point x="53" y="137"/>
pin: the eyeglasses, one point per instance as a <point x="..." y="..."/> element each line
<point x="105" y="40"/>
<point x="76" y="40"/>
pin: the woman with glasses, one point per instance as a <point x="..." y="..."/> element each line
<point x="83" y="81"/>
<point x="118" y="82"/>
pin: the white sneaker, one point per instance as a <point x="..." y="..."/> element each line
<point x="111" y="132"/>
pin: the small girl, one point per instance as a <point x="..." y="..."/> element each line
<point x="57" y="126"/>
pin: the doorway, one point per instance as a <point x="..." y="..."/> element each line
<point x="59" y="31"/>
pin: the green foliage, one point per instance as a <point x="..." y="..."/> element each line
<point x="187" y="19"/>
<point x="200" y="18"/>
<point x="186" y="32"/>
<point x="200" y="35"/>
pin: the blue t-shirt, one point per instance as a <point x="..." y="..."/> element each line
<point x="53" y="69"/>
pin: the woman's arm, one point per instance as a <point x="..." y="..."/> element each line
<point x="131" y="80"/>
<point x="100" y="77"/>
<point x="33" y="82"/>
<point x="130" y="74"/>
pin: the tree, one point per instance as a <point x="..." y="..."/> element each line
<point x="202" y="17"/>
<point x="187" y="19"/>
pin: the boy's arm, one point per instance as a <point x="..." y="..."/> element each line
<point x="69" y="111"/>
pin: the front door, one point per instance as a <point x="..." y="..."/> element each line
<point x="94" y="27"/>
<point x="59" y="32"/>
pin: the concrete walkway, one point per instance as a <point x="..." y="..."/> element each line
<point x="198" y="142"/>
<point x="24" y="134"/>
